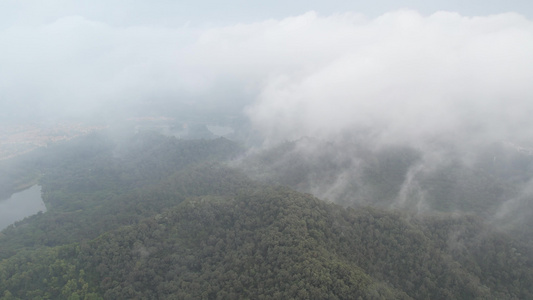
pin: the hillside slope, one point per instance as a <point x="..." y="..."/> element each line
<point x="274" y="243"/>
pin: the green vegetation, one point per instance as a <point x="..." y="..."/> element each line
<point x="160" y="218"/>
<point x="352" y="172"/>
<point x="272" y="243"/>
<point x="90" y="189"/>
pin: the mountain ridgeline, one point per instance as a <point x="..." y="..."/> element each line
<point x="155" y="217"/>
<point x="484" y="181"/>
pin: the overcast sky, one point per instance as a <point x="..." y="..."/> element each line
<point x="207" y="13"/>
<point x="409" y="68"/>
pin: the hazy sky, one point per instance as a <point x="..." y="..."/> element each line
<point x="411" y="68"/>
<point x="207" y="13"/>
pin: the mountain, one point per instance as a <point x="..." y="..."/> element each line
<point x="154" y="217"/>
<point x="439" y="177"/>
<point x="274" y="243"/>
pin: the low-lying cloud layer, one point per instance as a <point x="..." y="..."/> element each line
<point x="409" y="77"/>
<point x="403" y="75"/>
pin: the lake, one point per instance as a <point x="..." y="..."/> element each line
<point x="21" y="205"/>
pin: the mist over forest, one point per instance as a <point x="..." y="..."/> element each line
<point x="305" y="151"/>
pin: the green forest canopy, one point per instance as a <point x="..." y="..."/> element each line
<point x="161" y="218"/>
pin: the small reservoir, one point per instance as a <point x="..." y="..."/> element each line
<point x="21" y="205"/>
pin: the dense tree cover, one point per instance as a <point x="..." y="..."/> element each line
<point x="155" y="217"/>
<point x="50" y="273"/>
<point x="352" y="171"/>
<point x="90" y="187"/>
<point x="273" y="243"/>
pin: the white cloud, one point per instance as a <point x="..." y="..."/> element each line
<point x="411" y="77"/>
<point x="407" y="74"/>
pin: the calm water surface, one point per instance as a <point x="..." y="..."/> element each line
<point x="21" y="205"/>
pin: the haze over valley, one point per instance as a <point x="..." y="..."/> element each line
<point x="337" y="150"/>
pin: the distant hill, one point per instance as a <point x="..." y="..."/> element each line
<point x="481" y="180"/>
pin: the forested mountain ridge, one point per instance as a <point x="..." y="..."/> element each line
<point x="162" y="218"/>
<point x="272" y="243"/>
<point x="492" y="180"/>
<point x="439" y="177"/>
<point x="89" y="189"/>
